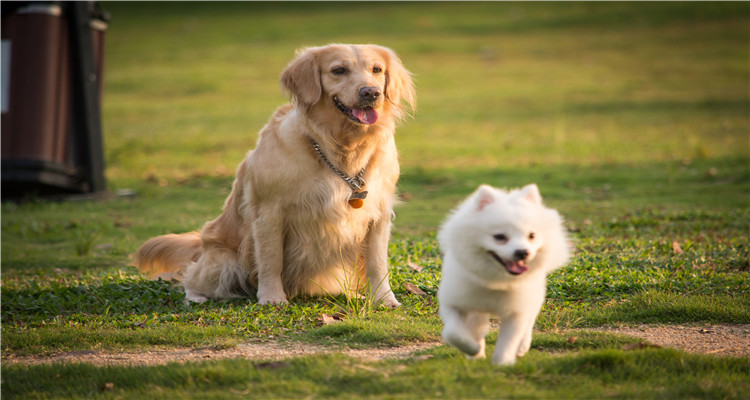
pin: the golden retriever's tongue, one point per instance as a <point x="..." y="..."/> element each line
<point x="366" y="117"/>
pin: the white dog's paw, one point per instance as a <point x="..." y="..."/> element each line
<point x="194" y="297"/>
<point x="524" y="346"/>
<point x="480" y="354"/>
<point x="465" y="343"/>
<point x="502" y="360"/>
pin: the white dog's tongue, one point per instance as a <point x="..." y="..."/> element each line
<point x="367" y="117"/>
<point x="515" y="268"/>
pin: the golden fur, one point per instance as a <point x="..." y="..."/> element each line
<point x="286" y="227"/>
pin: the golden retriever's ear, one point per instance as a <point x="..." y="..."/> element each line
<point x="301" y="78"/>
<point x="399" y="88"/>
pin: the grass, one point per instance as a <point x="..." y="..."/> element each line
<point x="352" y="304"/>
<point x="599" y="369"/>
<point x="632" y="118"/>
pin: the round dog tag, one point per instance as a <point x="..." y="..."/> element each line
<point x="357" y="199"/>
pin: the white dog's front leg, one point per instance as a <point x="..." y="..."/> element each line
<point x="525" y="344"/>
<point x="479" y="325"/>
<point x="379" y="289"/>
<point x="458" y="334"/>
<point x="512" y="330"/>
<point x="269" y="256"/>
<point x="533" y="307"/>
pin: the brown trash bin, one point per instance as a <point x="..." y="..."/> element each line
<point x="45" y="146"/>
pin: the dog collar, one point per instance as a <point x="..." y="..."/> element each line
<point x="357" y="199"/>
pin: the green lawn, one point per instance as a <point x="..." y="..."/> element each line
<point x="633" y="119"/>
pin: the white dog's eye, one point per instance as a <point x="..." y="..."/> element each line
<point x="500" y="237"/>
<point x="532" y="235"/>
<point x="339" y="71"/>
<point x="376" y="70"/>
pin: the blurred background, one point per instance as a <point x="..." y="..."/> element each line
<point x="606" y="106"/>
<point x="508" y="92"/>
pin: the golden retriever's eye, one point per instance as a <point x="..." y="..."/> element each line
<point x="532" y="235"/>
<point x="376" y="70"/>
<point x="339" y="71"/>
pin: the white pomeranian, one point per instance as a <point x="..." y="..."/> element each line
<point x="498" y="249"/>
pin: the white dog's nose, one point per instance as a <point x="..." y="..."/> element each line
<point x="521" y="254"/>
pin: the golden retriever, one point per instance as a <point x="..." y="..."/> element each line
<point x="311" y="207"/>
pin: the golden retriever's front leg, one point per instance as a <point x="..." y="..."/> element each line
<point x="268" y="235"/>
<point x="379" y="288"/>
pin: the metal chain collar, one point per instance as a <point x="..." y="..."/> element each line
<point x="355" y="183"/>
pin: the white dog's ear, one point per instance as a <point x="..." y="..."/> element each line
<point x="531" y="193"/>
<point x="485" y="195"/>
<point x="399" y="87"/>
<point x="301" y="78"/>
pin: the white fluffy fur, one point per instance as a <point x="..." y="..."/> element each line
<point x="475" y="284"/>
<point x="287" y="228"/>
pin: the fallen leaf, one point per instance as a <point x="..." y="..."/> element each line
<point x="572" y="339"/>
<point x="415" y="267"/>
<point x="676" y="249"/>
<point x="327" y="319"/>
<point x="412" y="288"/>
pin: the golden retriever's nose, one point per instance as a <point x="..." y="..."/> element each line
<point x="369" y="93"/>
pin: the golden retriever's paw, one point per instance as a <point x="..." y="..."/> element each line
<point x="273" y="300"/>
<point x="390" y="301"/>
<point x="194" y="297"/>
<point x="271" y="293"/>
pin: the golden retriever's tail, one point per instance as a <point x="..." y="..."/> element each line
<point x="167" y="256"/>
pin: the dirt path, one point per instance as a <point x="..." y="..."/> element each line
<point x="265" y="351"/>
<point x="720" y="340"/>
